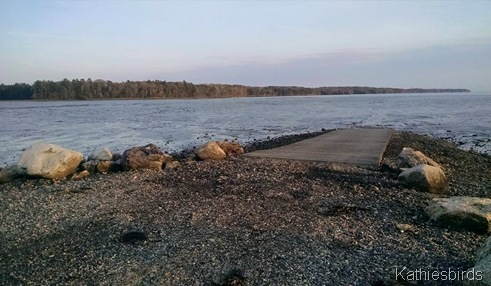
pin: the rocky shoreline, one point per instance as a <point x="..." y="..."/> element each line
<point x="240" y="220"/>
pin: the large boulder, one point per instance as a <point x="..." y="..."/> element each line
<point x="409" y="158"/>
<point x="425" y="178"/>
<point x="469" y="213"/>
<point x="231" y="148"/>
<point x="103" y="154"/>
<point x="49" y="161"/>
<point x="482" y="269"/>
<point x="144" y="157"/>
<point x="210" y="151"/>
<point x="10" y="173"/>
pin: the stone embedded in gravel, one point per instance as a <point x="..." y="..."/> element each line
<point x="210" y="151"/>
<point x="409" y="158"/>
<point x="103" y="154"/>
<point x="81" y="175"/>
<point x="469" y="213"/>
<point x="231" y="148"/>
<point x="404" y="227"/>
<point x="172" y="165"/>
<point x="49" y="161"/>
<point x="483" y="265"/>
<point x="425" y="178"/>
<point x="10" y="173"/>
<point x="143" y="157"/>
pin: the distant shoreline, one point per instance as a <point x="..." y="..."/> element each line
<point x="105" y="90"/>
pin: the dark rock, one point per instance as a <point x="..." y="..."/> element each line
<point x="116" y="156"/>
<point x="10" y="173"/>
<point x="90" y="166"/>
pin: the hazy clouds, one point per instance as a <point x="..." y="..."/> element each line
<point x="313" y="43"/>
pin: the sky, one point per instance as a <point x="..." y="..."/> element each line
<point x="426" y="44"/>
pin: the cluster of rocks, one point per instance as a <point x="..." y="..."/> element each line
<point x="49" y="161"/>
<point x="468" y="213"/>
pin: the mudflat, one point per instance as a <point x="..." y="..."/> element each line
<point x="243" y="220"/>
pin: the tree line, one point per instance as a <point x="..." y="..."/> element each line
<point x="81" y="89"/>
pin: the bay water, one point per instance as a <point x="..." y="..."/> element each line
<point x="176" y="124"/>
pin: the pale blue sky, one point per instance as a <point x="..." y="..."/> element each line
<point x="310" y="43"/>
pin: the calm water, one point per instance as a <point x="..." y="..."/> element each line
<point x="178" y="124"/>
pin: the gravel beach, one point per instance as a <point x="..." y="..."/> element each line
<point x="239" y="221"/>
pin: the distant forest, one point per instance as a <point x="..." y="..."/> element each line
<point x="81" y="89"/>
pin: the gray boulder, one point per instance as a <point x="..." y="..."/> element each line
<point x="10" y="173"/>
<point x="103" y="154"/>
<point x="469" y="213"/>
<point x="49" y="161"/>
<point x="425" y="178"/>
<point x="210" y="151"/>
<point x="144" y="157"/>
<point x="483" y="266"/>
<point x="409" y="158"/>
<point x="90" y="166"/>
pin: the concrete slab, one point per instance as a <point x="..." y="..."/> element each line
<point x="360" y="147"/>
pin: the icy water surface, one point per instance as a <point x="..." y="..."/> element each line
<point x="177" y="124"/>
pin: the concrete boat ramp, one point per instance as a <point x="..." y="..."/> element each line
<point x="359" y="147"/>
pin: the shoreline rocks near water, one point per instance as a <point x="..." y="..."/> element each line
<point x="50" y="161"/>
<point x="416" y="170"/>
<point x="448" y="203"/>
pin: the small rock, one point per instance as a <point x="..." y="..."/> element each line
<point x="81" y="175"/>
<point x="404" y="227"/>
<point x="101" y="155"/>
<point x="90" y="166"/>
<point x="231" y="148"/>
<point x="211" y="151"/>
<point x="116" y="157"/>
<point x="469" y="213"/>
<point x="409" y="158"/>
<point x="172" y="165"/>
<point x="425" y="178"/>
<point x="104" y="166"/>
